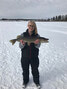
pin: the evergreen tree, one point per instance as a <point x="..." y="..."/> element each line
<point x="65" y="17"/>
<point x="56" y="18"/>
<point x="59" y="18"/>
<point x="53" y="18"/>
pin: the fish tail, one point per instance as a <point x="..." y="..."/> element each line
<point x="13" y="41"/>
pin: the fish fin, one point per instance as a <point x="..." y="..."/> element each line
<point x="13" y="41"/>
<point x="47" y="41"/>
<point x="18" y="36"/>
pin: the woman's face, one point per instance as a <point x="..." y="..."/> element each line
<point x="30" y="27"/>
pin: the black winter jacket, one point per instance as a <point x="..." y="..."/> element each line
<point x="30" y="51"/>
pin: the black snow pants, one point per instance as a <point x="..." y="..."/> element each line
<point x="34" y="62"/>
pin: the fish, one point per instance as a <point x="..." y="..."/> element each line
<point x="29" y="40"/>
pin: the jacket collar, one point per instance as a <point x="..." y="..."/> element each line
<point x="33" y="34"/>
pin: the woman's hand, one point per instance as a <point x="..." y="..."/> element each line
<point x="21" y="41"/>
<point x="36" y="41"/>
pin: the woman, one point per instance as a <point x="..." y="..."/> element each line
<point x="30" y="55"/>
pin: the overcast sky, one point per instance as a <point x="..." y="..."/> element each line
<point x="32" y="8"/>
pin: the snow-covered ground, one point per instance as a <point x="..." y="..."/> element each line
<point x="52" y="55"/>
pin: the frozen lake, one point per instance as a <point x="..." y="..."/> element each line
<point x="53" y="55"/>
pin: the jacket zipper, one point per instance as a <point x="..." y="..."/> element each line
<point x="30" y="51"/>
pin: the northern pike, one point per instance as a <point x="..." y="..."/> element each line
<point x="29" y="39"/>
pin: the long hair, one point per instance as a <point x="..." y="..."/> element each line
<point x="34" y="24"/>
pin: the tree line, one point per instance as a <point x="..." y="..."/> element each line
<point x="59" y="18"/>
<point x="55" y="18"/>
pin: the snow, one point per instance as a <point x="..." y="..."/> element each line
<point x="52" y="56"/>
